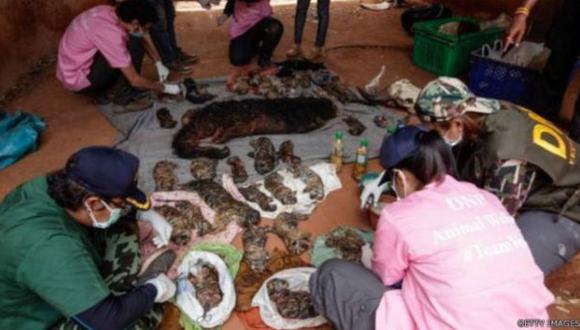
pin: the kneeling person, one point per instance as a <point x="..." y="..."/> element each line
<point x="51" y="246"/>
<point x="104" y="47"/>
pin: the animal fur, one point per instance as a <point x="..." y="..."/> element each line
<point x="239" y="173"/>
<point x="355" y="127"/>
<point x="253" y="194"/>
<point x="203" y="168"/>
<point x="314" y="186"/>
<point x="286" y="153"/>
<point x="274" y="184"/>
<point x="207" y="286"/>
<point x="227" y="208"/>
<point x="290" y="304"/>
<point x="164" y="175"/>
<point x="264" y="155"/>
<point x="165" y="119"/>
<point x="348" y="243"/>
<point x="182" y="226"/>
<point x="222" y="121"/>
<point x="286" y="227"/>
<point x="254" y="240"/>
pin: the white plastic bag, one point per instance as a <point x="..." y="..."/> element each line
<point x="297" y="280"/>
<point x="186" y="299"/>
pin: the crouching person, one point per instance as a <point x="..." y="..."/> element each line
<point x="69" y="249"/>
<point x="462" y="260"/>
<point x="103" y="48"/>
<point x="253" y="32"/>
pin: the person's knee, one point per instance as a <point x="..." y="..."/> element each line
<point x="240" y="59"/>
<point x="333" y="266"/>
<point x="275" y="28"/>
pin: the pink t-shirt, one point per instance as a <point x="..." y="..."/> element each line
<point x="462" y="259"/>
<point x="96" y="29"/>
<point x="246" y="15"/>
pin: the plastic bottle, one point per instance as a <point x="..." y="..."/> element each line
<point x="337" y="151"/>
<point x="360" y="167"/>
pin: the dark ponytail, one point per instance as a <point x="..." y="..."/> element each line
<point x="432" y="160"/>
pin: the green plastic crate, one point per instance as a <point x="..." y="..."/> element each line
<point x="444" y="54"/>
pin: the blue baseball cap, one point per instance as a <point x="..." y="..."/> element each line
<point x="108" y="173"/>
<point x="398" y="146"/>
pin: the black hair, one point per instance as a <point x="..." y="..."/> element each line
<point x="139" y="10"/>
<point x="65" y="192"/>
<point x="432" y="160"/>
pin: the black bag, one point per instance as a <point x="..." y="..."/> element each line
<point x="420" y="14"/>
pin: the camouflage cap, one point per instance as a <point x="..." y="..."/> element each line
<point x="446" y="98"/>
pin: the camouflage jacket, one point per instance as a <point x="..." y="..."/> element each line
<point x="526" y="162"/>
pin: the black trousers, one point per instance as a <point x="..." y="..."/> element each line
<point x="163" y="31"/>
<point x="323" y="20"/>
<point x="564" y="42"/>
<point x="260" y="40"/>
<point x="104" y="77"/>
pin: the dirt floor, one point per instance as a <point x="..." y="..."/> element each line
<point x="74" y="122"/>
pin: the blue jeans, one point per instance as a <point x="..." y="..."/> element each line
<point x="163" y="32"/>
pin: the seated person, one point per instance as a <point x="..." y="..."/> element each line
<point x="462" y="261"/>
<point x="97" y="53"/>
<point x="253" y="31"/>
<point x="54" y="262"/>
<point x="526" y="161"/>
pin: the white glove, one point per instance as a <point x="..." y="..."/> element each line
<point x="165" y="288"/>
<point x="372" y="192"/>
<point x="173" y="89"/>
<point x="162" y="228"/>
<point x="222" y="19"/>
<point x="367" y="256"/>
<point x="162" y="71"/>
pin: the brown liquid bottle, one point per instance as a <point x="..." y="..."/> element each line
<point x="362" y="160"/>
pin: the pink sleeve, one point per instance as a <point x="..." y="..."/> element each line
<point x="113" y="45"/>
<point x="390" y="253"/>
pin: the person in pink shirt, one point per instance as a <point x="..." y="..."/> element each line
<point x="104" y="47"/>
<point x="446" y="254"/>
<point x="253" y="32"/>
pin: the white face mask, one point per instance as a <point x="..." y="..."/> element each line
<point x="452" y="143"/>
<point x="115" y="214"/>
<point x="403" y="180"/>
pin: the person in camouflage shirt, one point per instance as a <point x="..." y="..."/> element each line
<point x="519" y="156"/>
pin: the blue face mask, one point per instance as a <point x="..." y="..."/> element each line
<point x="114" y="216"/>
<point x="138" y="34"/>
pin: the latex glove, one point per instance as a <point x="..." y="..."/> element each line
<point x="162" y="71"/>
<point x="173" y="89"/>
<point x="222" y="19"/>
<point x="165" y="288"/>
<point x="367" y="256"/>
<point x="516" y="32"/>
<point x="162" y="228"/>
<point x="372" y="192"/>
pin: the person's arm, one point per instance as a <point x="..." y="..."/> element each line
<point x="138" y="81"/>
<point x="390" y="252"/>
<point x="150" y="48"/>
<point x="511" y="182"/>
<point x="519" y="25"/>
<point x="118" y="312"/>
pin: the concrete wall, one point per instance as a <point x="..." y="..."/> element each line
<point x="30" y="30"/>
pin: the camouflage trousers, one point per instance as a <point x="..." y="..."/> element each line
<point x="119" y="246"/>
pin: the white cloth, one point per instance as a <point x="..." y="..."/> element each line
<point x="304" y="205"/>
<point x="297" y="280"/>
<point x="186" y="299"/>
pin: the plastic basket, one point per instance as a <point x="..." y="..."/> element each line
<point x="502" y="81"/>
<point x="445" y="54"/>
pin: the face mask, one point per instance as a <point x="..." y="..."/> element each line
<point x="397" y="195"/>
<point x="115" y="214"/>
<point x="137" y="34"/>
<point x="452" y="143"/>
